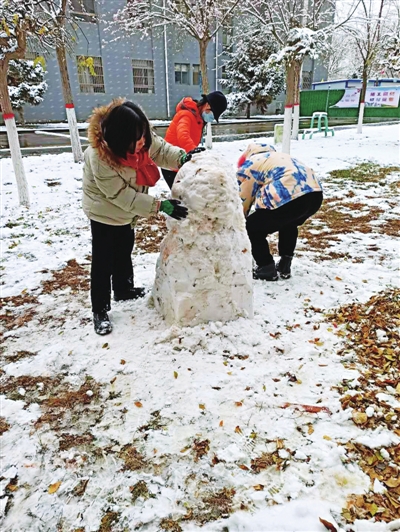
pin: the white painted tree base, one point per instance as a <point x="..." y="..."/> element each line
<point x="74" y="133"/>
<point x="296" y="120"/>
<point x="204" y="271"/>
<point x="16" y="157"/>
<point x="287" y="126"/>
<point x="360" y="117"/>
<point x="208" y="141"/>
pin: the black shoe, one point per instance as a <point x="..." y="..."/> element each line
<point x="266" y="273"/>
<point x="283" y="266"/>
<point x="132" y="293"/>
<point x="102" y="323"/>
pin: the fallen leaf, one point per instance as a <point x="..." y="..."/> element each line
<point x="327" y="438"/>
<point x="310" y="429"/>
<point x="175" y="374"/>
<point x="259" y="487"/>
<point x="244" y="467"/>
<point x="221" y="423"/>
<point x="338" y="278"/>
<point x="398" y="389"/>
<point x="238" y="403"/>
<point x="11" y="487"/>
<point x="123" y="361"/>
<point x="359" y="417"/>
<point x="202" y="407"/>
<point x="113" y="380"/>
<point x="311" y="409"/>
<point x="238" y="430"/>
<point x="54" y="487"/>
<point x="138" y="404"/>
<point x="104" y="346"/>
<point x="328" y="525"/>
<point x="392" y="482"/>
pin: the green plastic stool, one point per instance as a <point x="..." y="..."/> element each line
<point x="321" y="117"/>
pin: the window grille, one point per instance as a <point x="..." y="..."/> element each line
<point x="143" y="76"/>
<point x="306" y="80"/>
<point x="91" y="78"/>
<point x="83" y="10"/>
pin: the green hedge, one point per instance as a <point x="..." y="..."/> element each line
<point x="312" y="101"/>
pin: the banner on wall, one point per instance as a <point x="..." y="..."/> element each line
<point x="374" y="97"/>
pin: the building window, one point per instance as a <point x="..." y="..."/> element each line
<point x="227" y="36"/>
<point x="83" y="10"/>
<point x="306" y="80"/>
<point x="196" y="75"/>
<point x="182" y="73"/>
<point x="143" y="76"/>
<point x="90" y="74"/>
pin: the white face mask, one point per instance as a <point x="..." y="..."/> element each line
<point x="208" y="116"/>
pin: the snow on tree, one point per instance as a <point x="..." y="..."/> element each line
<point x="301" y="29"/>
<point x="389" y="58"/>
<point x="366" y="30"/>
<point x="200" y="19"/>
<point x="249" y="75"/>
<point x="18" y="19"/>
<point x="26" y="84"/>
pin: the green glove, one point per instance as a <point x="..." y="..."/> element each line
<point x="174" y="209"/>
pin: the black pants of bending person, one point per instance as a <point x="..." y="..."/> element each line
<point x="285" y="219"/>
<point x="169" y="176"/>
<point x="111" y="262"/>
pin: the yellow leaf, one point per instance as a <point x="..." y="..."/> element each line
<point x="359" y="417"/>
<point x="54" y="487"/>
<point x="229" y="372"/>
<point x="175" y="374"/>
<point x="253" y="435"/>
<point x="6" y="28"/>
<point x="259" y="487"/>
<point x="225" y="362"/>
<point x="238" y="430"/>
<point x="11" y="487"/>
<point x="202" y="407"/>
<point x="310" y="429"/>
<point x="398" y="389"/>
<point x="42" y="30"/>
<point x="319" y="343"/>
<point x="221" y="423"/>
<point x="185" y="449"/>
<point x="327" y="438"/>
<point x="264" y="388"/>
<point x="138" y="404"/>
<point x="15" y="19"/>
<point x="392" y="482"/>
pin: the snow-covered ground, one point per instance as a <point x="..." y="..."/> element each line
<point x="149" y="426"/>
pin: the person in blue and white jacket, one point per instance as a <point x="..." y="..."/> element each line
<point x="285" y="194"/>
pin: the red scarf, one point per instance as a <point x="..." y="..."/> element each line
<point x="147" y="173"/>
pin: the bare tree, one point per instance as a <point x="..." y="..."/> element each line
<point x="200" y="19"/>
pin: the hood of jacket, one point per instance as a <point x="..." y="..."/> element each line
<point x="188" y="104"/>
<point x="95" y="133"/>
<point x="255" y="148"/>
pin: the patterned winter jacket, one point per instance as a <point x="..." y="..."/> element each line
<point x="272" y="179"/>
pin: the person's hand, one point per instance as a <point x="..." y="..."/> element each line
<point x="186" y="157"/>
<point x="174" y="208"/>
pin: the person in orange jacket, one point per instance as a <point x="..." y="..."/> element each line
<point x="186" y="128"/>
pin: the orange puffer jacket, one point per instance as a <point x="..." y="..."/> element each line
<point x="186" y="127"/>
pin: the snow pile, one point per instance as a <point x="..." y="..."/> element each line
<point x="204" y="271"/>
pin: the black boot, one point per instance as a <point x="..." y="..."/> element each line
<point x="102" y="323"/>
<point x="283" y="266"/>
<point x="266" y="273"/>
<point x="132" y="293"/>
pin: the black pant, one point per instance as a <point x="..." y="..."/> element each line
<point x="169" y="176"/>
<point x="111" y="258"/>
<point x="284" y="219"/>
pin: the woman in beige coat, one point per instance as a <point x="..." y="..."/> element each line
<point x="120" y="166"/>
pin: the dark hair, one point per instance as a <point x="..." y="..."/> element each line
<point x="123" y="126"/>
<point x="201" y="102"/>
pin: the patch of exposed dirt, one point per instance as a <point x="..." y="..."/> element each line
<point x="212" y="506"/>
<point x="4" y="426"/>
<point x="19" y="355"/>
<point x="133" y="460"/>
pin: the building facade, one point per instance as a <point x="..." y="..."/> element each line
<point x="156" y="72"/>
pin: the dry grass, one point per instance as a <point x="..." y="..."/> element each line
<point x="133" y="460"/>
<point x="140" y="489"/>
<point x="107" y="522"/>
<point x="170" y="525"/>
<point x="213" y="506"/>
<point x="75" y="440"/>
<point x="200" y="449"/>
<point x="150" y="233"/>
<point x="19" y="355"/>
<point x="366" y="172"/>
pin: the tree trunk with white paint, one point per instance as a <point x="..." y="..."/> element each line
<point x="69" y="106"/>
<point x="296" y="100"/>
<point x="287" y="120"/>
<point x="12" y="135"/>
<point x="362" y="101"/>
<point x="208" y="141"/>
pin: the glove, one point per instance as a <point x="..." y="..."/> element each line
<point x="174" y="209"/>
<point x="186" y="157"/>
